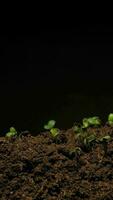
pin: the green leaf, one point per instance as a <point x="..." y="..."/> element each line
<point x="50" y="124"/>
<point x="77" y="129"/>
<point x="12" y="132"/>
<point x="54" y="132"/>
<point x="110" y="118"/>
<point x="76" y="150"/>
<point x="91" y="138"/>
<point x="94" y="120"/>
<point x="91" y="121"/>
<point x="105" y="138"/>
<point x="85" y="123"/>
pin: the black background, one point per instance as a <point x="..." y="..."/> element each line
<point x="61" y="74"/>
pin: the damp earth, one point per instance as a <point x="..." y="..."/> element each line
<point x="45" y="168"/>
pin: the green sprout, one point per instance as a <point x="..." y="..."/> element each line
<point x="54" y="132"/>
<point x="91" y="121"/>
<point x="12" y="132"/>
<point x="85" y="139"/>
<point x="77" y="128"/>
<point x="76" y="150"/>
<point x="104" y="141"/>
<point x="105" y="138"/>
<point x="50" y="126"/>
<point x="88" y="141"/>
<point x="110" y="119"/>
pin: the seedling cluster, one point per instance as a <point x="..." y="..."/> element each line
<point x="91" y="121"/>
<point x="85" y="139"/>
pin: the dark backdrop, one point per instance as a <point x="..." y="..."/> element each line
<point x="61" y="74"/>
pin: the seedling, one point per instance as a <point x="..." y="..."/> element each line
<point x="75" y="152"/>
<point x="54" y="132"/>
<point x="91" y="121"/>
<point x="110" y="119"/>
<point x="77" y="128"/>
<point x="104" y="141"/>
<point x="87" y="122"/>
<point x="88" y="141"/>
<point x="12" y="132"/>
<point x="84" y="138"/>
<point x="50" y="126"/>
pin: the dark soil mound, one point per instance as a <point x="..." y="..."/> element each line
<point x="43" y="168"/>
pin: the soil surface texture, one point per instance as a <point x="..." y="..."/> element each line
<point x="62" y="168"/>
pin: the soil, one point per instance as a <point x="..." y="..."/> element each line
<point x="45" y="168"/>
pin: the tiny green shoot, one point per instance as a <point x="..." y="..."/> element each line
<point x="105" y="138"/>
<point x="54" y="132"/>
<point x="12" y="132"/>
<point x="77" y="129"/>
<point x="75" y="152"/>
<point x="50" y="124"/>
<point x="110" y="119"/>
<point x="87" y="142"/>
<point x="104" y="141"/>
